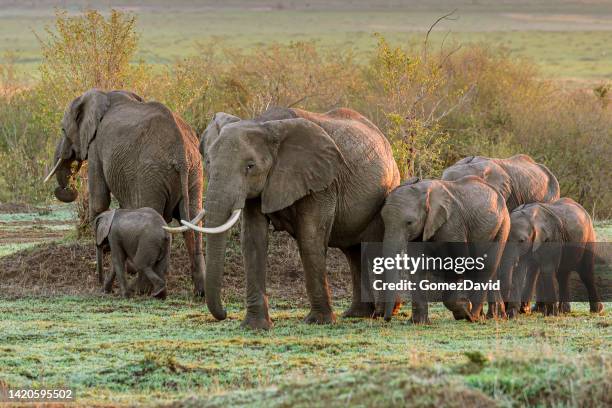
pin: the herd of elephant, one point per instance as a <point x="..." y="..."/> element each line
<point x="329" y="180"/>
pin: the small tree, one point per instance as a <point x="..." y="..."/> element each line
<point x="83" y="52"/>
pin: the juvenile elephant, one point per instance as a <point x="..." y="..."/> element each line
<point x="519" y="178"/>
<point x="135" y="238"/>
<point x="321" y="177"/>
<point x="464" y="211"/>
<point x="141" y="153"/>
<point x="547" y="242"/>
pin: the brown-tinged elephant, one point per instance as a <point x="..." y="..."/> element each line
<point x="467" y="210"/>
<point x="519" y="178"/>
<point x="321" y="177"/>
<point x="547" y="242"/>
<point x="135" y="237"/>
<point x="140" y="152"/>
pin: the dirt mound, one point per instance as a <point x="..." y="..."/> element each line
<point x="54" y="269"/>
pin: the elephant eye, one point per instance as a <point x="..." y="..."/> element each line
<point x="250" y="166"/>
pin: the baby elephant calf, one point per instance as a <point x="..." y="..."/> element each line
<point x="136" y="240"/>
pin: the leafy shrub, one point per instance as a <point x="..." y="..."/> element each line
<point x="435" y="107"/>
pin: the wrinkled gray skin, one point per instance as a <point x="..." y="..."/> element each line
<point x="321" y="177"/>
<point x="142" y="153"/>
<point x="534" y="255"/>
<point x="519" y="178"/>
<point x="466" y="210"/>
<point x="135" y="237"/>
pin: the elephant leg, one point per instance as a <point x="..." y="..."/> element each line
<point x="110" y="278"/>
<point x="118" y="257"/>
<point x="586" y="273"/>
<point x="548" y="291"/>
<point x="358" y="307"/>
<point x="99" y="193"/>
<point x="564" y="295"/>
<point x="160" y="269"/>
<point x="528" y="292"/>
<point x="99" y="264"/>
<point x="195" y="250"/>
<point x="312" y="234"/>
<point x="159" y="286"/>
<point x="254" y="240"/>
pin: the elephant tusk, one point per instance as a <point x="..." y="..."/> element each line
<point x="53" y="170"/>
<point x="216" y="230"/>
<point x="183" y="228"/>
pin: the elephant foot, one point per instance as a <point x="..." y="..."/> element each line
<point x="320" y="318"/>
<point x="496" y="311"/>
<point x="564" y="307"/>
<point x="160" y="293"/>
<point x="257" y="323"/>
<point x="597" y="307"/>
<point x="360" y="309"/>
<point x="420" y="318"/>
<point x="551" y="309"/>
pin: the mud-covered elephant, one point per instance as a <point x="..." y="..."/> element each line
<point x="321" y="177"/>
<point x="140" y="152"/>
<point x="518" y="178"/>
<point x="547" y="242"/>
<point x="468" y="210"/>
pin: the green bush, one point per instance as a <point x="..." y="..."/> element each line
<point x="435" y="107"/>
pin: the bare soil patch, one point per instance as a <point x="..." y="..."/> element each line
<point x="60" y="269"/>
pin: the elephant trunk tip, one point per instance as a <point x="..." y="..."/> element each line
<point x="219" y="312"/>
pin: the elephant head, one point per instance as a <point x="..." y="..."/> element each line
<point x="415" y="211"/>
<point x="79" y="126"/>
<point x="277" y="161"/>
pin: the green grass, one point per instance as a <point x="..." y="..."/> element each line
<point x="566" y="45"/>
<point x="131" y="351"/>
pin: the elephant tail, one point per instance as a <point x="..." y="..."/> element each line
<point x="554" y="192"/>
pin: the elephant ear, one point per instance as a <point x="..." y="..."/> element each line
<point x="212" y="131"/>
<point x="307" y="160"/>
<point x="103" y="224"/>
<point x="497" y="177"/>
<point x="438" y="207"/>
<point x="84" y="116"/>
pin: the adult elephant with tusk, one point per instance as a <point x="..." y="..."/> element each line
<point x="141" y="153"/>
<point x="321" y="177"/>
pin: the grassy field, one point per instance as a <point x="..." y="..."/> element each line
<point x="118" y="351"/>
<point x="569" y="40"/>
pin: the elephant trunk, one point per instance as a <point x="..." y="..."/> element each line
<point x="505" y="271"/>
<point x="217" y="213"/>
<point x="63" y="159"/>
<point x="391" y="247"/>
